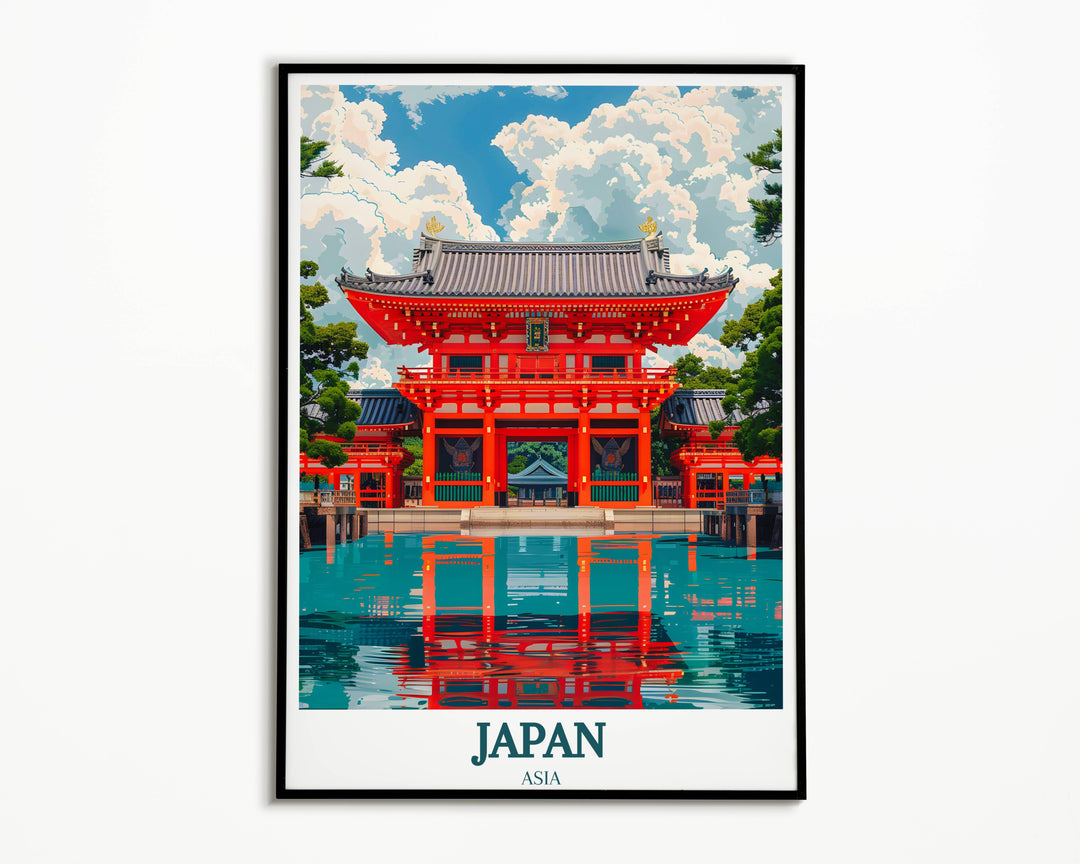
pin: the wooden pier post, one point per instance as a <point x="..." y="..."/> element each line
<point x="305" y="534"/>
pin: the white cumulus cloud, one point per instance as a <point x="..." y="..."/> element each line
<point x="714" y="352"/>
<point x="373" y="374"/>
<point x="553" y="91"/>
<point x="677" y="157"/>
<point x="653" y="360"/>
<point x="372" y="217"/>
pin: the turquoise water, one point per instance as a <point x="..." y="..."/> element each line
<point x="411" y="621"/>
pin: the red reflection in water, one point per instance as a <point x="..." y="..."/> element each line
<point x="602" y="662"/>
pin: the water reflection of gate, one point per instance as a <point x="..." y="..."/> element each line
<point x="472" y="654"/>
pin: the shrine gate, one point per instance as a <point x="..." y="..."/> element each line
<point x="537" y="342"/>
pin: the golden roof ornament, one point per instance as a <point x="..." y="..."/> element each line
<point x="433" y="226"/>
<point x="648" y="227"/>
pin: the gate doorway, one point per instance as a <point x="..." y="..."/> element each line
<point x="536" y="474"/>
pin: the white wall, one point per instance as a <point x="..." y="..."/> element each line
<point x="138" y="229"/>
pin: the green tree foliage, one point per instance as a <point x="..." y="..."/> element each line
<point x="415" y="445"/>
<point x="310" y="153"/>
<point x="662" y="445"/>
<point x="328" y="355"/>
<point x="692" y="373"/>
<point x="758" y="384"/>
<point x="523" y="453"/>
<point x="768" y="212"/>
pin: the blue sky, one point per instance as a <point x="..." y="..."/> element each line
<point x="545" y="163"/>
<point x="459" y="131"/>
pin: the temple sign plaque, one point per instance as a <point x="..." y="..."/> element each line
<point x="536" y="334"/>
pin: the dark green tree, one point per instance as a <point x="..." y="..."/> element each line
<point x="759" y="382"/>
<point x="768" y="212"/>
<point x="328" y="355"/>
<point x="310" y="153"/>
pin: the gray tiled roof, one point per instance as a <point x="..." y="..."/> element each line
<point x="384" y="408"/>
<point x="697" y="407"/>
<point x="460" y="268"/>
<point x="539" y="472"/>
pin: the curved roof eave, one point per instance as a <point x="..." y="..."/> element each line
<point x="607" y="269"/>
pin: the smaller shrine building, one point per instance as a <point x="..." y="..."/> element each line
<point x="538" y="481"/>
<point x="710" y="467"/>
<point x="376" y="457"/>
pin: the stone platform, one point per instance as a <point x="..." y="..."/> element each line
<point x="578" y="521"/>
<point x="534" y="520"/>
<point x="414" y="520"/>
<point x="656" y="520"/>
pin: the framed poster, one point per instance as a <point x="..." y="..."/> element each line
<point x="537" y="416"/>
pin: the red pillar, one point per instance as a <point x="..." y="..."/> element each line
<point x="645" y="460"/>
<point x="396" y="493"/>
<point x="573" y="478"/>
<point x="427" y="497"/>
<point x="488" y="446"/>
<point x="583" y="460"/>
<point x="499" y="480"/>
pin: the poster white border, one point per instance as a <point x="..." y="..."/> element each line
<point x="713" y="751"/>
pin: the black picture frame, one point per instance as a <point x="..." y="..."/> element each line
<point x="286" y="521"/>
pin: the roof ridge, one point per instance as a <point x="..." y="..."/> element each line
<point x="528" y="270"/>
<point x="632" y="243"/>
